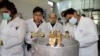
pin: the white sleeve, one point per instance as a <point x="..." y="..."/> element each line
<point x="28" y="34"/>
<point x="61" y="28"/>
<point x="28" y="38"/>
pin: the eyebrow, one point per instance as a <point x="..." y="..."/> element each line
<point x="5" y="11"/>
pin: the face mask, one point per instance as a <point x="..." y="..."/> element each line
<point x="73" y="20"/>
<point x="6" y="16"/>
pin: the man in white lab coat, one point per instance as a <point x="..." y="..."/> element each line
<point x="12" y="31"/>
<point x="54" y="24"/>
<point x="85" y="33"/>
<point x="67" y="26"/>
<point x="36" y="27"/>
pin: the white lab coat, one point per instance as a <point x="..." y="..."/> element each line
<point x="57" y="27"/>
<point x="32" y="27"/>
<point x="86" y="34"/>
<point x="70" y="28"/>
<point x="12" y="35"/>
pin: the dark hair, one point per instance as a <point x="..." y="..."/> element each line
<point x="38" y="9"/>
<point x="69" y="11"/>
<point x="9" y="5"/>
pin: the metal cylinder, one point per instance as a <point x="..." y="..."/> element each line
<point x="40" y="48"/>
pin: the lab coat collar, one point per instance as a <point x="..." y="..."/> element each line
<point x="54" y="24"/>
<point x="50" y="26"/>
<point x="11" y="21"/>
<point x="35" y="26"/>
<point x="81" y="19"/>
<point x="39" y="23"/>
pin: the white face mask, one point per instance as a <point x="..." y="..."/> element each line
<point x="73" y="20"/>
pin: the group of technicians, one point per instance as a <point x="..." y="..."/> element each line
<point x="14" y="31"/>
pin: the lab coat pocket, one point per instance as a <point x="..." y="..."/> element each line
<point x="13" y="31"/>
<point x="82" y="32"/>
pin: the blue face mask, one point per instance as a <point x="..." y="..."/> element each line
<point x="6" y="16"/>
<point x="73" y="20"/>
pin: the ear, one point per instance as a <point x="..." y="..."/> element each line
<point x="75" y="14"/>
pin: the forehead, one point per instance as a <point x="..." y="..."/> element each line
<point x="4" y="9"/>
<point x="69" y="15"/>
<point x="37" y="13"/>
<point x="53" y="15"/>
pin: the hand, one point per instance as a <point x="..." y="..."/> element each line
<point x="54" y="31"/>
<point x="41" y="34"/>
<point x="1" y="42"/>
<point x="34" y="35"/>
<point x="67" y="35"/>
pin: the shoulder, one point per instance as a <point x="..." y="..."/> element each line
<point x="88" y="20"/>
<point x="59" y="24"/>
<point x="28" y="20"/>
<point x="19" y="20"/>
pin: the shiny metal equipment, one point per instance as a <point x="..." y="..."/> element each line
<point x="40" y="48"/>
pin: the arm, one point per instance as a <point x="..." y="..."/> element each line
<point x="28" y="38"/>
<point x="90" y="37"/>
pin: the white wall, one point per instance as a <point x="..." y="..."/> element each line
<point x="61" y="6"/>
<point x="97" y="4"/>
<point x="76" y="4"/>
<point x="25" y="7"/>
